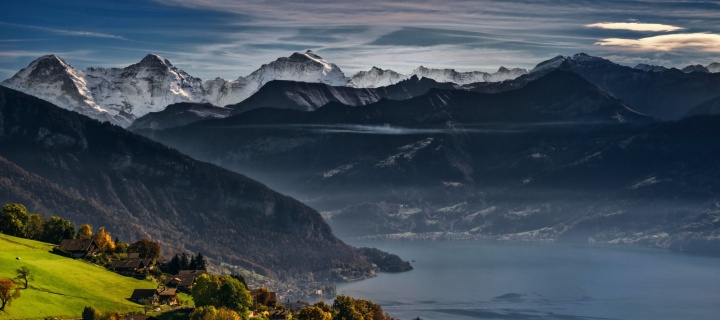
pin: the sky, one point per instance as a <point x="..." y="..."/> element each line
<point x="232" y="38"/>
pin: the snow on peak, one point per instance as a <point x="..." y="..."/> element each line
<point x="154" y="60"/>
<point x="650" y="68"/>
<point x="713" y="67"/>
<point x="549" y="64"/>
<point x="695" y="68"/>
<point x="462" y="78"/>
<point x="302" y="67"/>
<point x="376" y="77"/>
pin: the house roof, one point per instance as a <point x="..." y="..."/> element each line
<point x="139" y="317"/>
<point x="130" y="263"/>
<point x="167" y="292"/>
<point x="76" y="245"/>
<point x="143" y="294"/>
<point x="184" y="278"/>
<point x="134" y="255"/>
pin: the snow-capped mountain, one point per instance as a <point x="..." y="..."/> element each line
<point x="377" y="77"/>
<point x="147" y="86"/>
<point x="695" y="68"/>
<point x="462" y="78"/>
<point x="301" y="67"/>
<point x="51" y="78"/>
<point x="714" y="67"/>
<point x="650" y="68"/>
<point x="120" y="95"/>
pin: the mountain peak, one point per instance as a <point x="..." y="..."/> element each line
<point x="713" y="67"/>
<point x="155" y="60"/>
<point x="695" y="68"/>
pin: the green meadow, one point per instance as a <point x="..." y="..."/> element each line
<point x="62" y="286"/>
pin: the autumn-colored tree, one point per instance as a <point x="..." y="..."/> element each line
<point x="24" y="274"/>
<point x="212" y="313"/>
<point x="85" y="232"/>
<point x="145" y="248"/>
<point x="104" y="240"/>
<point x="314" y="313"/>
<point x="8" y="293"/>
<point x="263" y="296"/>
<point x="349" y="308"/>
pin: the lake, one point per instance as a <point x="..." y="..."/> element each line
<point x="490" y="280"/>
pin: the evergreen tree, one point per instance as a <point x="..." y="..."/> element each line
<point x="200" y="263"/>
<point x="192" y="265"/>
<point x="174" y="266"/>
<point x="184" y="262"/>
<point x="90" y="313"/>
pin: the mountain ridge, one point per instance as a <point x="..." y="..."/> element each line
<point x="139" y="188"/>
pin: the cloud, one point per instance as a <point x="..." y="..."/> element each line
<point x="704" y="42"/>
<point x="634" y="26"/>
<point x="64" y="32"/>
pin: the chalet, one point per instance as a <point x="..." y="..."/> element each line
<point x="167" y="296"/>
<point x="78" y="248"/>
<point x="145" y="296"/>
<point x="184" y="280"/>
<point x="154" y="296"/>
<point x="279" y="315"/>
<point x="132" y="266"/>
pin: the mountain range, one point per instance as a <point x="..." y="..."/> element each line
<point x="61" y="163"/>
<point x="120" y="95"/>
<point x="552" y="157"/>
<point x="577" y="149"/>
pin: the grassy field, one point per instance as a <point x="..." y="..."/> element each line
<point x="62" y="286"/>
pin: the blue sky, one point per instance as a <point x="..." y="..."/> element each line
<point x="231" y="38"/>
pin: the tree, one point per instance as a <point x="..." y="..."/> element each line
<point x="212" y="313"/>
<point x="174" y="266"/>
<point x="228" y="292"/>
<point x="204" y="291"/>
<point x="239" y="278"/>
<point x="85" y="232"/>
<point x="192" y="265"/>
<point x="263" y="296"/>
<point x="13" y="219"/>
<point x="104" y="241"/>
<point x="8" y="293"/>
<point x="184" y="262"/>
<point x="34" y="226"/>
<point x="56" y="229"/>
<point x="201" y="264"/>
<point x="314" y="313"/>
<point x="90" y="313"/>
<point x="146" y="249"/>
<point x="25" y="275"/>
<point x="349" y="308"/>
<point x="234" y="296"/>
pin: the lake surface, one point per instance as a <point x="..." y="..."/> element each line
<point x="488" y="280"/>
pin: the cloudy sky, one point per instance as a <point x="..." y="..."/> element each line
<point x="231" y="38"/>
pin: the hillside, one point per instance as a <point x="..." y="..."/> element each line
<point x="62" y="286"/>
<point x="140" y="188"/>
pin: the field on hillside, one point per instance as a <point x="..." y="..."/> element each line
<point x="62" y="286"/>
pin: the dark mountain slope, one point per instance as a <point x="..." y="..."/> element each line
<point x="311" y="96"/>
<point x="552" y="160"/>
<point x="136" y="187"/>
